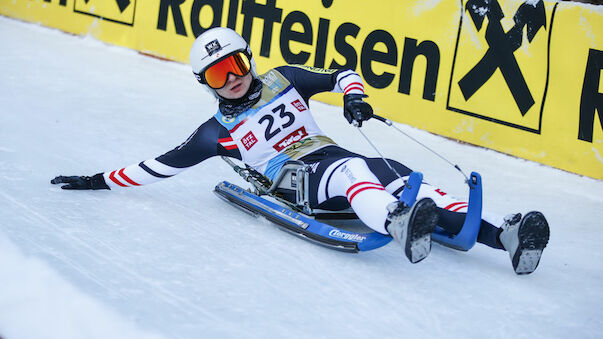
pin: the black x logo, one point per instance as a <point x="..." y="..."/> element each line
<point x="501" y="46"/>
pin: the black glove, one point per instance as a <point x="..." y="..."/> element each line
<point x="95" y="182"/>
<point x="355" y="109"/>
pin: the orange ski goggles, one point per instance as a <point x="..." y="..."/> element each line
<point x="216" y="75"/>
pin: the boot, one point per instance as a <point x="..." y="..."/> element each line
<point x="525" y="239"/>
<point x="412" y="227"/>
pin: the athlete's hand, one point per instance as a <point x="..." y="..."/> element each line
<point x="355" y="109"/>
<point x="95" y="182"/>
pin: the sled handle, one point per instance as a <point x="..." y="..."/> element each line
<point x="467" y="237"/>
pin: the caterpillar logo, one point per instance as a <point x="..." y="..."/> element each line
<point x="118" y="11"/>
<point x="502" y="58"/>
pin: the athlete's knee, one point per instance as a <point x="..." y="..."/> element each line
<point x="384" y="172"/>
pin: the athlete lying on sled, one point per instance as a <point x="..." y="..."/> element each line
<point x="264" y="120"/>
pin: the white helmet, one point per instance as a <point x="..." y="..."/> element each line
<point x="214" y="45"/>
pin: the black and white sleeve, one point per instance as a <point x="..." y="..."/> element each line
<point x="311" y="80"/>
<point x="201" y="145"/>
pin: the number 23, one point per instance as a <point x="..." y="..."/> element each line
<point x="270" y="133"/>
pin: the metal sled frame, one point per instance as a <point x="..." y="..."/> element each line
<point x="301" y="220"/>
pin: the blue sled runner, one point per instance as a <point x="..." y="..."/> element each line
<point x="300" y="220"/>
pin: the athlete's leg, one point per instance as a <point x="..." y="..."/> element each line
<point x="523" y="238"/>
<point x="352" y="179"/>
<point x="332" y="194"/>
<point x="451" y="210"/>
<point x="410" y="226"/>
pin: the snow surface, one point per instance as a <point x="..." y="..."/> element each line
<point x="171" y="260"/>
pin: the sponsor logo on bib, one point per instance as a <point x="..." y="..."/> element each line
<point x="299" y="105"/>
<point x="249" y="140"/>
<point x="290" y="139"/>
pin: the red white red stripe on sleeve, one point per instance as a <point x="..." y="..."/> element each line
<point x="121" y="179"/>
<point x="349" y="82"/>
<point x="144" y="173"/>
<point x="361" y="187"/>
<point x="227" y="143"/>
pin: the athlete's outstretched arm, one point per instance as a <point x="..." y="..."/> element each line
<point x="201" y="145"/>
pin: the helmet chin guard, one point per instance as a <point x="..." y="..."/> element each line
<point x="214" y="45"/>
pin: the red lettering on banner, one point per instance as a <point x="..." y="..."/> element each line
<point x="249" y="140"/>
<point x="299" y="105"/>
<point x="290" y="139"/>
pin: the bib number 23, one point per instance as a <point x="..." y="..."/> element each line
<point x="283" y="114"/>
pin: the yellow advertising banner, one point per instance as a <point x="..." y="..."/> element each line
<point x="523" y="77"/>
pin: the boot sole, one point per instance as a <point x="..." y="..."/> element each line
<point x="422" y="223"/>
<point x="533" y="237"/>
